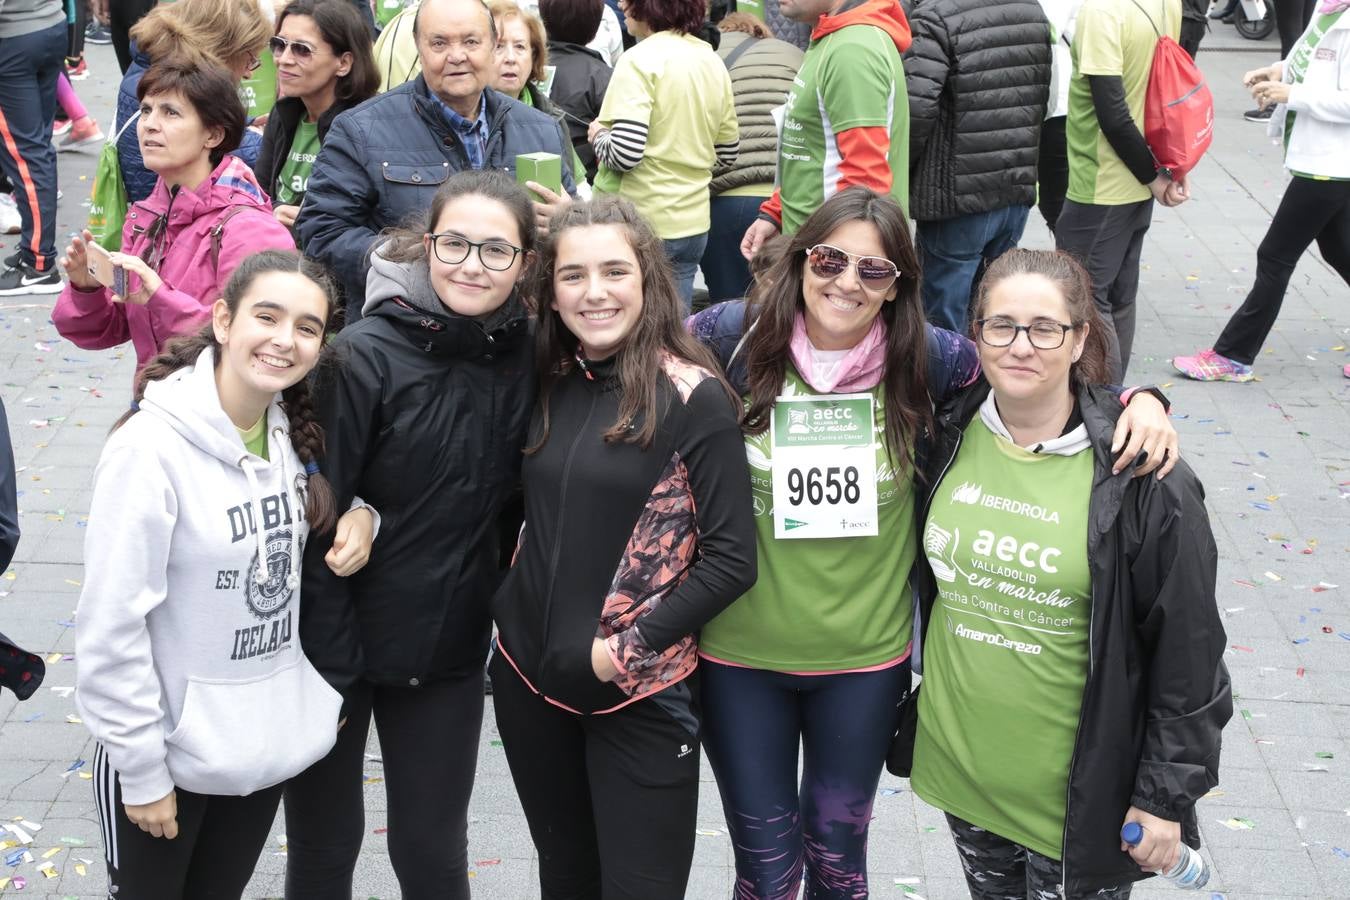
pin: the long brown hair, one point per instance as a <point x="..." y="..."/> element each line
<point x="1074" y="285"/>
<point x="306" y="433"/>
<point x="777" y="299"/>
<point x="659" y="329"/>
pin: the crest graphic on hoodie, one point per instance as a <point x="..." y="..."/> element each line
<point x="274" y="594"/>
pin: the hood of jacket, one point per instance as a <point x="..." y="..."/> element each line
<point x="402" y="293"/>
<point x="884" y="14"/>
<point x="230" y="184"/>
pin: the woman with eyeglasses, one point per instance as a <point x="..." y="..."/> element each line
<point x="181" y="243"/>
<point x="229" y="34"/>
<point x="1072" y="649"/>
<point x="324" y="67"/>
<point x="425" y="419"/>
<point x="836" y="365"/>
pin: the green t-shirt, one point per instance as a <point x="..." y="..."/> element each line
<point x="294" y="177"/>
<point x="1006" y="648"/>
<point x="677" y="86"/>
<point x="255" y="438"/>
<point x="1297" y="68"/>
<point x="850" y="78"/>
<point x="1111" y="37"/>
<point x="821" y="605"/>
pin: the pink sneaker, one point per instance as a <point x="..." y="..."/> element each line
<point x="84" y="133"/>
<point x="1210" y="366"/>
<point x="1346" y="371"/>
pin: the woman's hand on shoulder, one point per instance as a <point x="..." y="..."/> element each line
<point x="352" y="539"/>
<point x="286" y="214"/>
<point x="1144" y="427"/>
<point x="1158" y="849"/>
<point x="158" y="819"/>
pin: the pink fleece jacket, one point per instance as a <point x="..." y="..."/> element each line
<point x="90" y="319"/>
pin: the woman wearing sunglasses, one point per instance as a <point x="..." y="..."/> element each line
<point x="1073" y="669"/>
<point x="324" y="67"/>
<point x="425" y="419"/>
<point x="181" y="244"/>
<point x="816" y="654"/>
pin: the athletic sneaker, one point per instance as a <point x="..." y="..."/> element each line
<point x="60" y="127"/>
<point x="1346" y="371"/>
<point x="79" y="71"/>
<point x="10" y="220"/>
<point x="1210" y="366"/>
<point x="1259" y="115"/>
<point x="97" y="33"/>
<point x="24" y="279"/>
<point x="83" y="133"/>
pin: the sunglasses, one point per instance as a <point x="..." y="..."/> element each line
<point x="875" y="272"/>
<point x="301" y="51"/>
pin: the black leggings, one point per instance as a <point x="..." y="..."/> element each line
<point x="611" y="800"/>
<point x="1291" y="17"/>
<point x="122" y="14"/>
<point x="213" y="856"/>
<point x="1311" y="210"/>
<point x="429" y="743"/>
<point x="76" y="31"/>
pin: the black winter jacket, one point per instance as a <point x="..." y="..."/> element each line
<point x="425" y="416"/>
<point x="1157" y="694"/>
<point x="282" y="123"/>
<point x="978" y="77"/>
<point x="637" y="547"/>
<point x="580" y="79"/>
<point x="382" y="163"/>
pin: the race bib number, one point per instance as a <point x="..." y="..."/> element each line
<point x="824" y="467"/>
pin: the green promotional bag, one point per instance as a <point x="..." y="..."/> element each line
<point x="108" y="201"/>
<point x="258" y="92"/>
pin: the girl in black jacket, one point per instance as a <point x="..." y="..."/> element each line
<point x="1072" y="650"/>
<point x="324" y="67"/>
<point x="425" y="420"/>
<point x="638" y="530"/>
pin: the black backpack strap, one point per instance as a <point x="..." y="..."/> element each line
<point x="217" y="231"/>
<point x="740" y="48"/>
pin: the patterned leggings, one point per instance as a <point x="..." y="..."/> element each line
<point x="998" y="869"/>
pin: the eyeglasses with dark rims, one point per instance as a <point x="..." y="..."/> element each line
<point x="877" y="273"/>
<point x="1044" y="334"/>
<point x="453" y="249"/>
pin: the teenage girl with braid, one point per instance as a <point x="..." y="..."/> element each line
<point x="191" y="674"/>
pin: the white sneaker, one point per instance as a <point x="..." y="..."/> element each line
<point x="10" y="220"/>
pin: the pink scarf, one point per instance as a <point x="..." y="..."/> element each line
<point x="1333" y="6"/>
<point x="860" y="369"/>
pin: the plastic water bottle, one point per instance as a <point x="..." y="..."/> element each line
<point x="1190" y="873"/>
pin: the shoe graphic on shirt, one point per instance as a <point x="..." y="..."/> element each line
<point x="939" y="545"/>
<point x="1210" y="366"/>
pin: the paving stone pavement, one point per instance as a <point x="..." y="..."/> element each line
<point x="1272" y="455"/>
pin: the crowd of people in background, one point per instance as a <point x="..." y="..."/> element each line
<point x="411" y="289"/>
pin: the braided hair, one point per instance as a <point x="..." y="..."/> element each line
<point x="306" y="433"/>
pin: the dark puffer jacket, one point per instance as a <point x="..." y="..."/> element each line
<point x="761" y="76"/>
<point x="383" y="161"/>
<point x="978" y="76"/>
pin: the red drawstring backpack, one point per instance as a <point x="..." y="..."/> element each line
<point x="1178" y="107"/>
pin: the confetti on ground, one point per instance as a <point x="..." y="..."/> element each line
<point x="1322" y="586"/>
<point x="1324" y="754"/>
<point x="1237" y="824"/>
<point x="489" y="862"/>
<point x="708" y="832"/>
<point x="1273" y="577"/>
<point x="1243" y="583"/>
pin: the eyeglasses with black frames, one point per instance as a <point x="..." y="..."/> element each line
<point x="1044" y="334"/>
<point x="453" y="249"/>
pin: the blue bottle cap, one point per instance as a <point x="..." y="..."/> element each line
<point x="1132" y="833"/>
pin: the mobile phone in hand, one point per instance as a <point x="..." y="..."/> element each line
<point x="103" y="270"/>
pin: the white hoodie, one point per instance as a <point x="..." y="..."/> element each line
<point x="1321" y="103"/>
<point x="190" y="671"/>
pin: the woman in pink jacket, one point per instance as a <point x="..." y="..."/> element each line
<point x="180" y="244"/>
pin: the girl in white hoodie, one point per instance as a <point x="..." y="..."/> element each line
<point x="191" y="676"/>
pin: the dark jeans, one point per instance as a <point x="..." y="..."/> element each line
<point x="122" y="14"/>
<point x="684" y="254"/>
<point x="726" y="272"/>
<point x="954" y="251"/>
<point x="611" y="800"/>
<point x="429" y="741"/>
<point x="1107" y="240"/>
<point x="29" y="66"/>
<point x="1052" y="168"/>
<point x="1310" y="211"/>
<point x="998" y="869"/>
<point x="754" y="721"/>
<point x="213" y="857"/>
<point x="1291" y="18"/>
